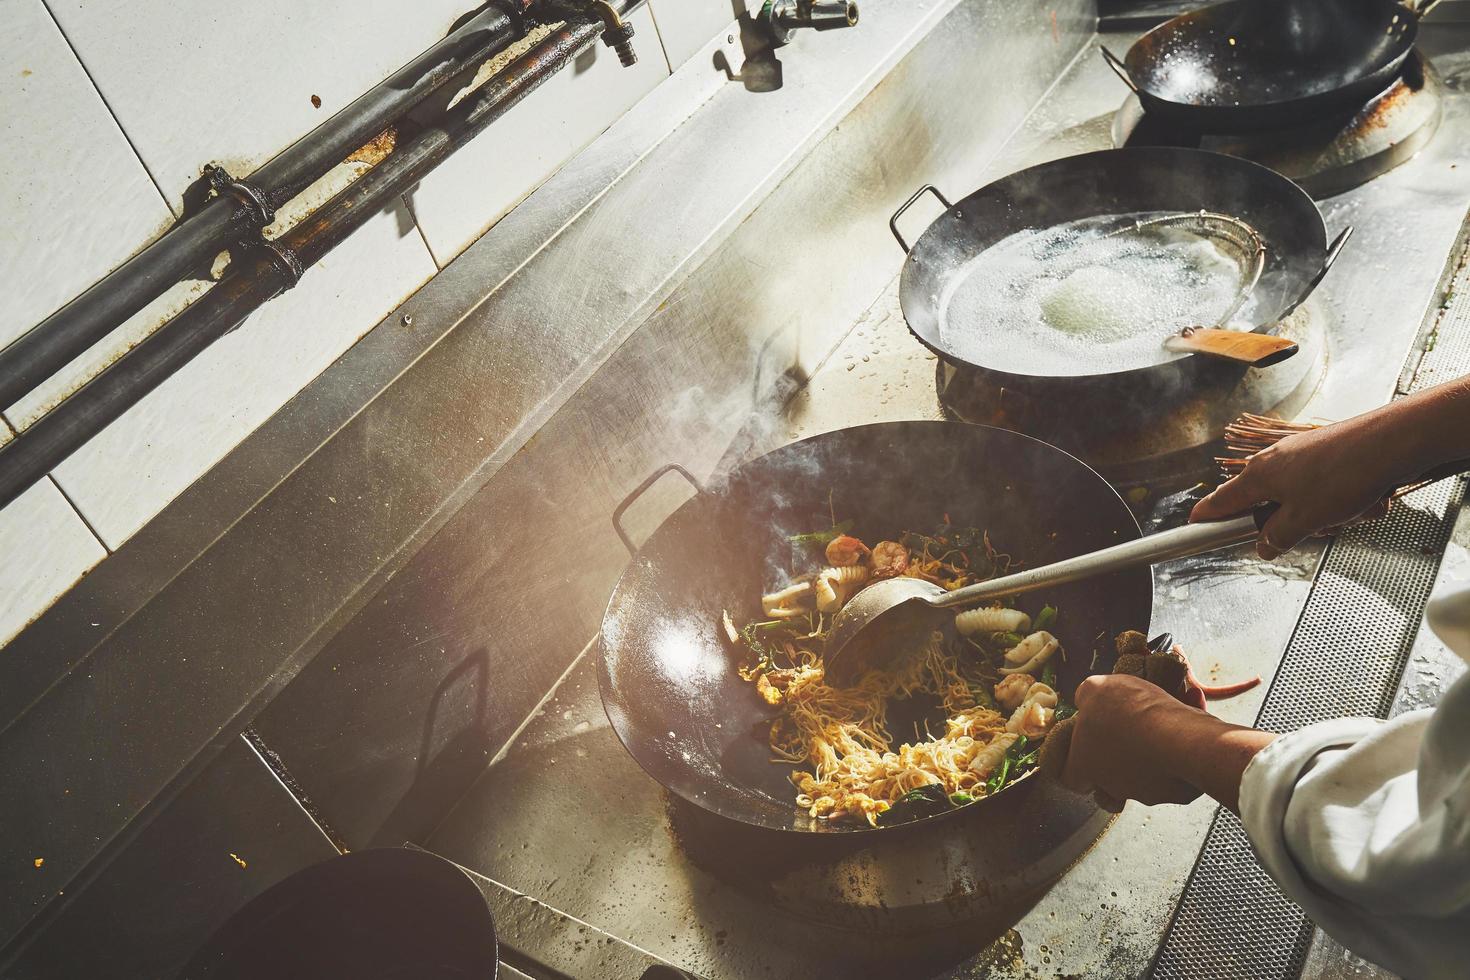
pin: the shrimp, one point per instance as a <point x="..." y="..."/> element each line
<point x="845" y="550"/>
<point x="1032" y="719"/>
<point x="1011" y="690"/>
<point x="988" y="759"/>
<point x="996" y="619"/>
<point x="1030" y="654"/>
<point x="889" y="559"/>
<point x="1041" y="694"/>
<point x="835" y="585"/>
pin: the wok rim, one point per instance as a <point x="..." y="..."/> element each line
<point x="841" y="832"/>
<point x="1134" y="61"/>
<point x="1184" y="363"/>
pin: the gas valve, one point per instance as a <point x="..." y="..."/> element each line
<point x="785" y="17"/>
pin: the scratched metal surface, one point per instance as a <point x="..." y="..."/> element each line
<point x="251" y="574"/>
<point x="625" y="870"/>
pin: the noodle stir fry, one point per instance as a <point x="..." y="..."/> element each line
<point x="992" y="675"/>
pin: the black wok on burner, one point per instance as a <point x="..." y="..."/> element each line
<point x="379" y="914"/>
<point x="1120" y="181"/>
<point x="667" y="675"/>
<point x="1248" y="65"/>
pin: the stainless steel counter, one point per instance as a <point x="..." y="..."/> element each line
<point x="387" y="577"/>
<point x="623" y="867"/>
<point x="377" y="579"/>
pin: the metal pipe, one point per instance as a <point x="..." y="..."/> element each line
<point x="482" y="37"/>
<point x="325" y="229"/>
<point x="64" y="335"/>
<point x="243" y="208"/>
<point x="272" y="268"/>
<point x="37" y="450"/>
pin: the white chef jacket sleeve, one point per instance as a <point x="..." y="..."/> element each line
<point x="1366" y="824"/>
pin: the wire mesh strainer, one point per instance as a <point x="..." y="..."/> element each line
<point x="1239" y="240"/>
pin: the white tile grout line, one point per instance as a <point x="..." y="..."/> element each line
<point x="90" y="529"/>
<point x="659" y="34"/>
<point x="407" y="198"/>
<point x="46" y="4"/>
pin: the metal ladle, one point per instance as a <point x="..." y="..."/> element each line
<point x="889" y="613"/>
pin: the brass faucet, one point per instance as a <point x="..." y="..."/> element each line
<point x="616" y="32"/>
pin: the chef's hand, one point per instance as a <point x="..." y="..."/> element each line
<point x="1116" y="740"/>
<point x="1323" y="479"/>
<point x="1132" y="741"/>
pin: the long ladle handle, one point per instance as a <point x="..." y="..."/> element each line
<point x="1333" y="251"/>
<point x="1181" y="542"/>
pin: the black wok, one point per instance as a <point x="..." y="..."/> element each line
<point x="1118" y="181"/>
<point x="667" y="675"/>
<point x="380" y="914"/>
<point x="1248" y="65"/>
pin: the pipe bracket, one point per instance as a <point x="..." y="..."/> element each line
<point x="284" y="260"/>
<point x="253" y="198"/>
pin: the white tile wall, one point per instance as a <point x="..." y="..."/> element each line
<point x="687" y="25"/>
<point x="233" y="83"/>
<point x="138" y="464"/>
<point x="44" y="548"/>
<point x="74" y="200"/>
<point x="476" y="186"/>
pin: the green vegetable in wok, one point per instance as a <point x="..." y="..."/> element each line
<point x="1016" y="763"/>
<point x="822" y="537"/>
<point x="926" y="801"/>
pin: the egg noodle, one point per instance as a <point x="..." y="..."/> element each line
<point x="840" y="737"/>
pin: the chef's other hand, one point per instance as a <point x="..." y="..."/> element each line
<point x="1121" y="726"/>
<point x="1132" y="741"/>
<point x="1323" y="478"/>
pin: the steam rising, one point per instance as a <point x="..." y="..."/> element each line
<point x="1079" y="298"/>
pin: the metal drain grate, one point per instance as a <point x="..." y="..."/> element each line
<point x="1346" y="657"/>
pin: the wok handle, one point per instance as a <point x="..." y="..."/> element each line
<point x="638" y="491"/>
<point x="1422" y="9"/>
<point x="1180" y="542"/>
<point x="893" y="221"/>
<point x="1119" y="68"/>
<point x="1333" y="251"/>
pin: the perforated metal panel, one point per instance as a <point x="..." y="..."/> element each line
<point x="1346" y="657"/>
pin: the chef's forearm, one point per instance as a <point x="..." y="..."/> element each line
<point x="1211" y="755"/>
<point x="1414" y="434"/>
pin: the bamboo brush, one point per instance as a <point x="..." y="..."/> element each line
<point x="1252" y="433"/>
